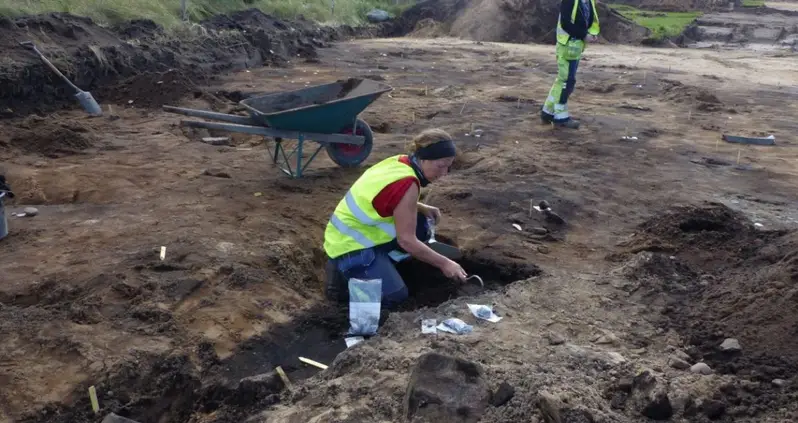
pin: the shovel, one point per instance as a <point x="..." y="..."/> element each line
<point x="452" y="253"/>
<point x="84" y="98"/>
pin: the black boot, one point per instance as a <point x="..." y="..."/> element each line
<point x="569" y="124"/>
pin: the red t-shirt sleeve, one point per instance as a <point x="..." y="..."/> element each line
<point x="386" y="201"/>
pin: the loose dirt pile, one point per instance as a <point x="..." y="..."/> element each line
<point x="514" y="21"/>
<point x="38" y="135"/>
<point x="718" y="276"/>
<point x="141" y="56"/>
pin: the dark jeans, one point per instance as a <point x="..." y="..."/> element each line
<point x="371" y="263"/>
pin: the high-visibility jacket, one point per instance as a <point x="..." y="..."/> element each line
<point x="355" y="224"/>
<point x="563" y="37"/>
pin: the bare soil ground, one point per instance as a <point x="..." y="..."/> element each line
<point x="659" y="258"/>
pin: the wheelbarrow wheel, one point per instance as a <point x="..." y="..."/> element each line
<point x="351" y="155"/>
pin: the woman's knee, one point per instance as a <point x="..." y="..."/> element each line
<point x="396" y="298"/>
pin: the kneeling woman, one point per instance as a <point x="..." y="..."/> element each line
<point x="380" y="215"/>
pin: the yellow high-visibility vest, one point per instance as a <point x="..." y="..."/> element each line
<point x="563" y="37"/>
<point x="355" y="224"/>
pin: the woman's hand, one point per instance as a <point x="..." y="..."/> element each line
<point x="430" y="212"/>
<point x="452" y="270"/>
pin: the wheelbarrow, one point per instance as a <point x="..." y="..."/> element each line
<point x="326" y="114"/>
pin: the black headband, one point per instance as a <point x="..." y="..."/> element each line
<point x="439" y="150"/>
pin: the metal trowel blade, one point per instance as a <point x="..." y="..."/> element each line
<point x="452" y="253"/>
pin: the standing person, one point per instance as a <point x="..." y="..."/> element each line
<point x="578" y="24"/>
<point x="380" y="214"/>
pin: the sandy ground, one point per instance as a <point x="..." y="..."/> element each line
<point x="84" y="291"/>
<point x="783" y="5"/>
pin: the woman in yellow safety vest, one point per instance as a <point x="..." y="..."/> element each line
<point x="381" y="215"/>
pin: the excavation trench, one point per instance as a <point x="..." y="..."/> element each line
<point x="172" y="387"/>
<point x="319" y="333"/>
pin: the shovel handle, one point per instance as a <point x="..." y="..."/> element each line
<point x="32" y="46"/>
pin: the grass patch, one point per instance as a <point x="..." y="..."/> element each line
<point x="167" y="12"/>
<point x="753" y="3"/>
<point x="662" y="24"/>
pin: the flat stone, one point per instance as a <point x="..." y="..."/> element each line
<point x="681" y="354"/>
<point x="540" y="231"/>
<point x="701" y="369"/>
<point x="608" y="338"/>
<point x="616" y="358"/>
<point x="31" y="211"/>
<point x="731" y="345"/>
<point x="555" y="338"/>
<point x="678" y="363"/>
<point x="444" y="388"/>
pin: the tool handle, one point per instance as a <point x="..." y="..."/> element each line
<point x="55" y="69"/>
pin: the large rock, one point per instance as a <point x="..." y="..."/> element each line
<point x="446" y="389"/>
<point x="378" y="15"/>
<point x="650" y="397"/>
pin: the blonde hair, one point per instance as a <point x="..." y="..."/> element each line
<point x="427" y="137"/>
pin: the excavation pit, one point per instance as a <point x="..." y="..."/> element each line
<point x="318" y="334"/>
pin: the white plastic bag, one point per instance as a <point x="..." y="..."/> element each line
<point x="365" y="298"/>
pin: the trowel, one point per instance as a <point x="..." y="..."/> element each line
<point x="446" y="250"/>
<point x="84" y="97"/>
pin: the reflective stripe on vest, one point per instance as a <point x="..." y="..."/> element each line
<point x="355" y="224"/>
<point x="563" y="37"/>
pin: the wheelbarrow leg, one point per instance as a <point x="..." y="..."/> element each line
<point x="277" y="147"/>
<point x="299" y="156"/>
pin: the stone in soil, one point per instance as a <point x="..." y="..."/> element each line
<point x="445" y="388"/>
<point x="731" y="345"/>
<point x="701" y="368"/>
<point x="678" y="363"/>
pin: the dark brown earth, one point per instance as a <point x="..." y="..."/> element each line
<point x="86" y="301"/>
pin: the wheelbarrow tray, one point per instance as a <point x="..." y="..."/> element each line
<point x="324" y="109"/>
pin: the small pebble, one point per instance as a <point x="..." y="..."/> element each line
<point x="730" y="344"/>
<point x="701" y="369"/>
<point x="778" y="382"/>
<point x="31" y="211"/>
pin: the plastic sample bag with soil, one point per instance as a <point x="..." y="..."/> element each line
<point x="365" y="298"/>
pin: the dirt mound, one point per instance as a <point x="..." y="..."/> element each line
<point x="724" y="278"/>
<point x="515" y="21"/>
<point x="701" y="98"/>
<point x="37" y="135"/>
<point x="99" y="59"/>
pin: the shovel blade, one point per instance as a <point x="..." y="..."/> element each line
<point x="89" y="104"/>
